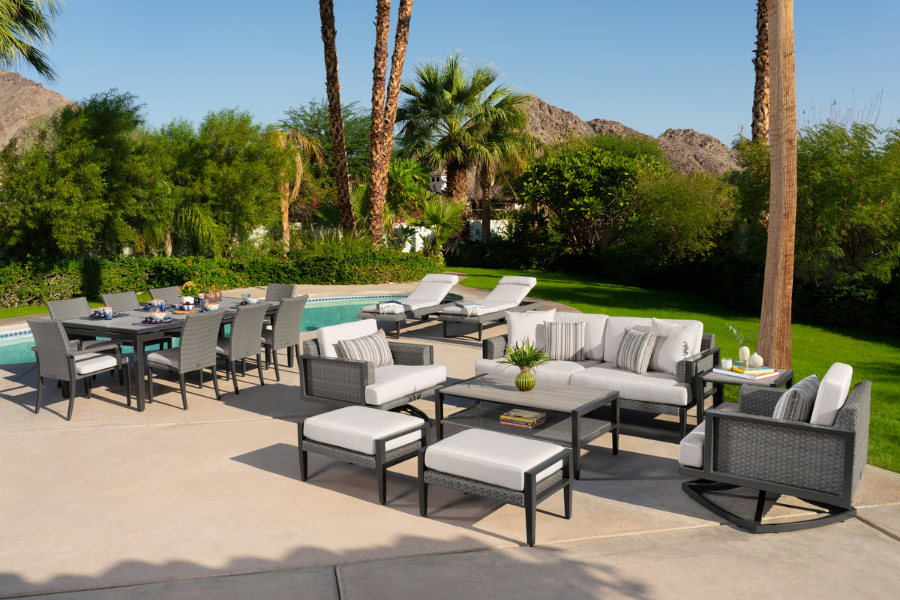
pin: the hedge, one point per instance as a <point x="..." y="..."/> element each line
<point x="35" y="282"/>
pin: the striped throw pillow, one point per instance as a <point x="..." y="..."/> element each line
<point x="796" y="404"/>
<point x="635" y="351"/>
<point x="565" y="341"/>
<point x="373" y="348"/>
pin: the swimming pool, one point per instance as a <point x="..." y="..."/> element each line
<point x="319" y="312"/>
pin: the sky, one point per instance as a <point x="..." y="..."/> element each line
<point x="649" y="64"/>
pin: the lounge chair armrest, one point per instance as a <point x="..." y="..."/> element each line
<point x="412" y="354"/>
<point x="493" y="348"/>
<point x="758" y="400"/>
<point x="690" y="367"/>
<point x="311" y="347"/>
<point x="708" y="341"/>
<point x="336" y="378"/>
<point x="110" y="345"/>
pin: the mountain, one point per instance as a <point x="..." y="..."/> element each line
<point x="686" y="149"/>
<point x="21" y="100"/>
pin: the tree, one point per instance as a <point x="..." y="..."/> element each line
<point x="774" y="340"/>
<point x="298" y="145"/>
<point x="384" y="111"/>
<point x="333" y="85"/>
<point x="448" y="114"/>
<point x="25" y="25"/>
<point x="440" y="216"/>
<point x="760" y="127"/>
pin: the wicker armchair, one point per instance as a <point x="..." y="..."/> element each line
<point x="74" y="308"/>
<point x="744" y="446"/>
<point x="171" y="295"/>
<point x="281" y="291"/>
<point x="57" y="359"/>
<point x="284" y="332"/>
<point x="243" y="341"/>
<point x="122" y="301"/>
<point x="197" y="351"/>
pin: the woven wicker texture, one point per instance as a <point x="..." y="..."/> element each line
<point x="854" y="416"/>
<point x="311" y="348"/>
<point x="486" y="490"/>
<point x="73" y="308"/>
<point x="171" y="295"/>
<point x="494" y="348"/>
<point x="245" y="328"/>
<point x="54" y="349"/>
<point x="281" y="291"/>
<point x="358" y="458"/>
<point x="758" y="400"/>
<point x="197" y="349"/>
<point x="286" y="322"/>
<point x="338" y="379"/>
<point x="122" y="302"/>
<point x="493" y="316"/>
<point x="412" y="354"/>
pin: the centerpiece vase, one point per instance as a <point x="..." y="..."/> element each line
<point x="525" y="381"/>
<point x="744" y="355"/>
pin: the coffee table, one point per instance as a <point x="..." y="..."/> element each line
<point x="569" y="421"/>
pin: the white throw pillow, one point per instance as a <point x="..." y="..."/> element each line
<point x="832" y="394"/>
<point x="527" y="325"/>
<point x="674" y="343"/>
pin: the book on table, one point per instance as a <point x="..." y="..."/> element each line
<point x="752" y="370"/>
<point x="749" y="376"/>
<point x="520" y="417"/>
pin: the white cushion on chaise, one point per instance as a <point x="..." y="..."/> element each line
<point x="430" y="292"/>
<point x="509" y="293"/>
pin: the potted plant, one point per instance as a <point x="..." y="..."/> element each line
<point x="744" y="352"/>
<point x="189" y="290"/>
<point x="526" y="357"/>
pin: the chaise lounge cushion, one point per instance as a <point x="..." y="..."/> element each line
<point x="491" y="457"/>
<point x="556" y="372"/>
<point x="832" y="394"/>
<point x="690" y="450"/>
<point x="509" y="293"/>
<point x="430" y="292"/>
<point x="653" y="386"/>
<point x="528" y="326"/>
<point x="396" y="381"/>
<point x="356" y="428"/>
<point x="328" y="337"/>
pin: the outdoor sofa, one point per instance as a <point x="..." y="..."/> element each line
<point x="661" y="392"/>
<point x="507" y="296"/>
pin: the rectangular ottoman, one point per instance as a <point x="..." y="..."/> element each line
<point x="368" y="437"/>
<point x="495" y="465"/>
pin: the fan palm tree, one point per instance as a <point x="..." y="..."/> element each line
<point x="301" y="146"/>
<point x="441" y="217"/>
<point x="25" y="25"/>
<point x="454" y="120"/>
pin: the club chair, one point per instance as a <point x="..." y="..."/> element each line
<point x="820" y="462"/>
<point x="197" y="351"/>
<point x="243" y="341"/>
<point x="56" y="359"/>
<point x="508" y="295"/>
<point x="328" y="377"/>
<point x="426" y="299"/>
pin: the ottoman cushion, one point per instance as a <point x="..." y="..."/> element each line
<point x="356" y="428"/>
<point x="491" y="457"/>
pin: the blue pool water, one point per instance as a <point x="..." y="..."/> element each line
<point x="319" y="312"/>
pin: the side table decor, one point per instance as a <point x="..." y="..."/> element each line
<point x="526" y="357"/>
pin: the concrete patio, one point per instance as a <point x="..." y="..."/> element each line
<point x="207" y="503"/>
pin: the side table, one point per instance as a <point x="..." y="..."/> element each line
<point x="785" y="378"/>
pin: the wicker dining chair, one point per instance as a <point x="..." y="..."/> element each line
<point x="171" y="295"/>
<point x="280" y="291"/>
<point x="243" y="341"/>
<point x="74" y="308"/>
<point x="197" y="351"/>
<point x="55" y="358"/>
<point x="122" y="301"/>
<point x="284" y="332"/>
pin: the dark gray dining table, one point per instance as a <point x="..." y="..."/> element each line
<point x="131" y="329"/>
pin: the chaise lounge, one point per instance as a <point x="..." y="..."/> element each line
<point x="427" y="298"/>
<point x="508" y="296"/>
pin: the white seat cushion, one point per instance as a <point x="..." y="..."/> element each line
<point x="491" y="457"/>
<point x="594" y="330"/>
<point x="529" y="326"/>
<point x="510" y="290"/>
<point x="832" y="394"/>
<point x="556" y="371"/>
<point x="167" y="358"/>
<point x="690" y="450"/>
<point x="86" y="364"/>
<point x="328" y="337"/>
<point x="356" y="428"/>
<point x="396" y="381"/>
<point x="661" y="388"/>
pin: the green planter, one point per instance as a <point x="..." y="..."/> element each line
<point x="525" y="381"/>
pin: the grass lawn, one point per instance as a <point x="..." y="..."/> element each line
<point x="873" y="357"/>
<point x="24" y="311"/>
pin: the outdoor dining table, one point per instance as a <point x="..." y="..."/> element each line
<point x="131" y="329"/>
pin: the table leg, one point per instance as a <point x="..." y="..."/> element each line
<point x="576" y="444"/>
<point x="139" y="372"/>
<point x="790" y="383"/>
<point x="439" y="414"/>
<point x="615" y="418"/>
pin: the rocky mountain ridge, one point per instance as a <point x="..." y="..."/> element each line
<point x="21" y="100"/>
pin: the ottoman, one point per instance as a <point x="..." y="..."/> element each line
<point x="495" y="465"/>
<point x="368" y="437"/>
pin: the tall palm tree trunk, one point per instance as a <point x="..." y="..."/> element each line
<point x="456" y="180"/>
<point x="333" y="86"/>
<point x="760" y="127"/>
<point x="384" y="110"/>
<point x="774" y="341"/>
<point x="486" y="182"/>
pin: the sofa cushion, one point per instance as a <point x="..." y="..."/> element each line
<point x="832" y="394"/>
<point x="690" y="450"/>
<point x="594" y="330"/>
<point x="674" y="343"/>
<point x="356" y="428"/>
<point x="396" y="381"/>
<point x="635" y="351"/>
<point x="564" y="341"/>
<point x="328" y="337"/>
<point x="373" y="348"/>
<point x="556" y="372"/>
<point x="653" y="386"/>
<point x="615" y="329"/>
<point x="796" y="403"/>
<point x="527" y="326"/>
<point x="491" y="457"/>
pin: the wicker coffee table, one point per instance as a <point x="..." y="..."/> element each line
<point x="569" y="421"/>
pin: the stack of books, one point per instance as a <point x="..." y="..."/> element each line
<point x="746" y="372"/>
<point x="523" y="418"/>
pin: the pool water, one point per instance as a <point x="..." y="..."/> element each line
<point x="319" y="312"/>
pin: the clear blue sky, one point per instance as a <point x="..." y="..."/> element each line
<point x="650" y="64"/>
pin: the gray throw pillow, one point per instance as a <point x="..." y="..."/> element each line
<point x="635" y="351"/>
<point x="796" y="404"/>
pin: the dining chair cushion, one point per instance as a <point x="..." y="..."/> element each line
<point x="223" y="346"/>
<point x="165" y="358"/>
<point x="87" y="364"/>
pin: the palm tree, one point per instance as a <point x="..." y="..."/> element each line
<point x="453" y="119"/>
<point x="333" y="86"/>
<point x="513" y="153"/>
<point x="774" y="339"/>
<point x="760" y="127"/>
<point x="24" y="26"/>
<point x="440" y="216"/>
<point x="302" y="145"/>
